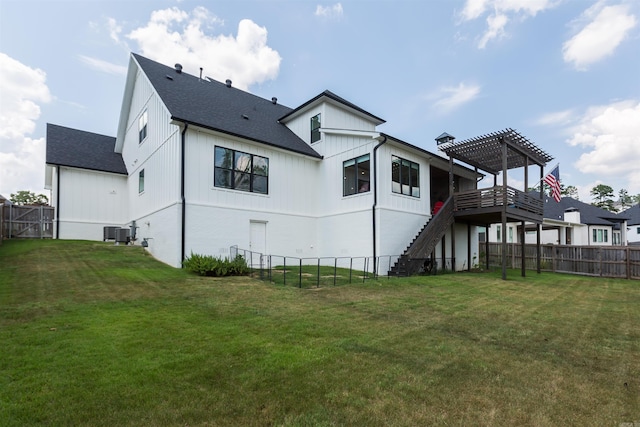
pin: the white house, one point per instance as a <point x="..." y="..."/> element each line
<point x="199" y="166"/>
<point x="569" y="222"/>
<point x="633" y="224"/>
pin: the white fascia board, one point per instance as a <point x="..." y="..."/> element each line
<point x="126" y="103"/>
<point x="349" y="132"/>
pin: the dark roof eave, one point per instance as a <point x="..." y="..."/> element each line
<point x="87" y="169"/>
<point x="178" y="119"/>
<point x="430" y="153"/>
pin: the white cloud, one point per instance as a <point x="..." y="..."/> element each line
<point x="610" y="134"/>
<point x="21" y="158"/>
<point x="449" y="98"/>
<point x="607" y="27"/>
<point x="104" y="66"/>
<point x="500" y="13"/>
<point x="173" y="36"/>
<point x="555" y="118"/>
<point x="333" y="12"/>
<point x="495" y="24"/>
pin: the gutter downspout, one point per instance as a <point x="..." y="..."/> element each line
<point x="182" y="198"/>
<point x="58" y="203"/>
<point x="375" y="197"/>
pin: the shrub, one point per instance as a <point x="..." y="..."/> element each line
<point x="207" y="265"/>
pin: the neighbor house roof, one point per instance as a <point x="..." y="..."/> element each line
<point x="84" y="150"/>
<point x="220" y="107"/>
<point x="634" y="214"/>
<point x="589" y="214"/>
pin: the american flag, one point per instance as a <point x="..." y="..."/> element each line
<point x="553" y="179"/>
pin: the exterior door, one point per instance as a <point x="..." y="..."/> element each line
<point x="257" y="243"/>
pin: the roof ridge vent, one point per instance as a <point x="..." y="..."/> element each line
<point x="228" y="83"/>
<point x="178" y="68"/>
<point x="274" y="100"/>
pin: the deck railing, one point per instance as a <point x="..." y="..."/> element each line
<point x="498" y="196"/>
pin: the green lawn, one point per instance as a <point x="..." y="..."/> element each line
<point x="103" y="335"/>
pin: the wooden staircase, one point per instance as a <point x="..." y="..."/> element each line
<point x="418" y="254"/>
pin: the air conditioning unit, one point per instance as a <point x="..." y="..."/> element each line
<point x="122" y="236"/>
<point x="109" y="233"/>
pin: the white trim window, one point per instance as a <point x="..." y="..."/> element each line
<point x="142" y="126"/>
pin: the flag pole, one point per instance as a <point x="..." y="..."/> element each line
<point x="545" y="175"/>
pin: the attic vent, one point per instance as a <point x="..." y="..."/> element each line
<point x="228" y="83"/>
<point x="178" y="68"/>
<point x="169" y="77"/>
<point x="274" y="100"/>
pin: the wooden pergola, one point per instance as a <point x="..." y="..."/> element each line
<point x="496" y="153"/>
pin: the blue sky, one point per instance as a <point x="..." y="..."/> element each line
<point x="564" y="73"/>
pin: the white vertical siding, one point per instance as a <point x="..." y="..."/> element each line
<point x="89" y="200"/>
<point x="339" y="118"/>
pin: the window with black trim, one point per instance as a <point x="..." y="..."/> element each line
<point x="600" y="235"/>
<point x="405" y="177"/>
<point x="141" y="181"/>
<point x="356" y="175"/>
<point x="315" y="128"/>
<point x="142" y="126"/>
<point x="241" y="171"/>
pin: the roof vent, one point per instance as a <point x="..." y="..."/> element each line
<point x="228" y="83"/>
<point x="274" y="100"/>
<point x="244" y="116"/>
<point x="169" y="77"/>
<point x="178" y="68"/>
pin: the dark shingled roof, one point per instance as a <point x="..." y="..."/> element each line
<point x="634" y="214"/>
<point x="333" y="96"/>
<point x="589" y="214"/>
<point x="213" y="105"/>
<point x="84" y="150"/>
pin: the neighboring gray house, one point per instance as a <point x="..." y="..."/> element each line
<point x="633" y="224"/>
<point x="571" y="222"/>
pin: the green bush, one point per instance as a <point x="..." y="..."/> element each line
<point x="207" y="265"/>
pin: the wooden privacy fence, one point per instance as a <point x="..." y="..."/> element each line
<point x="603" y="261"/>
<point x="31" y="222"/>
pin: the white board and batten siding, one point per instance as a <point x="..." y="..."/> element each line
<point x="218" y="218"/>
<point x="89" y="200"/>
<point x="156" y="209"/>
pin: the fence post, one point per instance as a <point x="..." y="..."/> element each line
<point x="284" y="272"/>
<point x="350" y="269"/>
<point x="318" y="280"/>
<point x="300" y="275"/>
<point x="366" y="269"/>
<point x="335" y="270"/>
<point x="628" y="251"/>
<point x="600" y="260"/>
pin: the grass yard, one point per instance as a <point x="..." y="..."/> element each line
<point x="103" y="335"/>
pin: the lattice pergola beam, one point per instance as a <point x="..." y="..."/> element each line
<point x="485" y="152"/>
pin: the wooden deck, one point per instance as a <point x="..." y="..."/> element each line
<point x="485" y="206"/>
